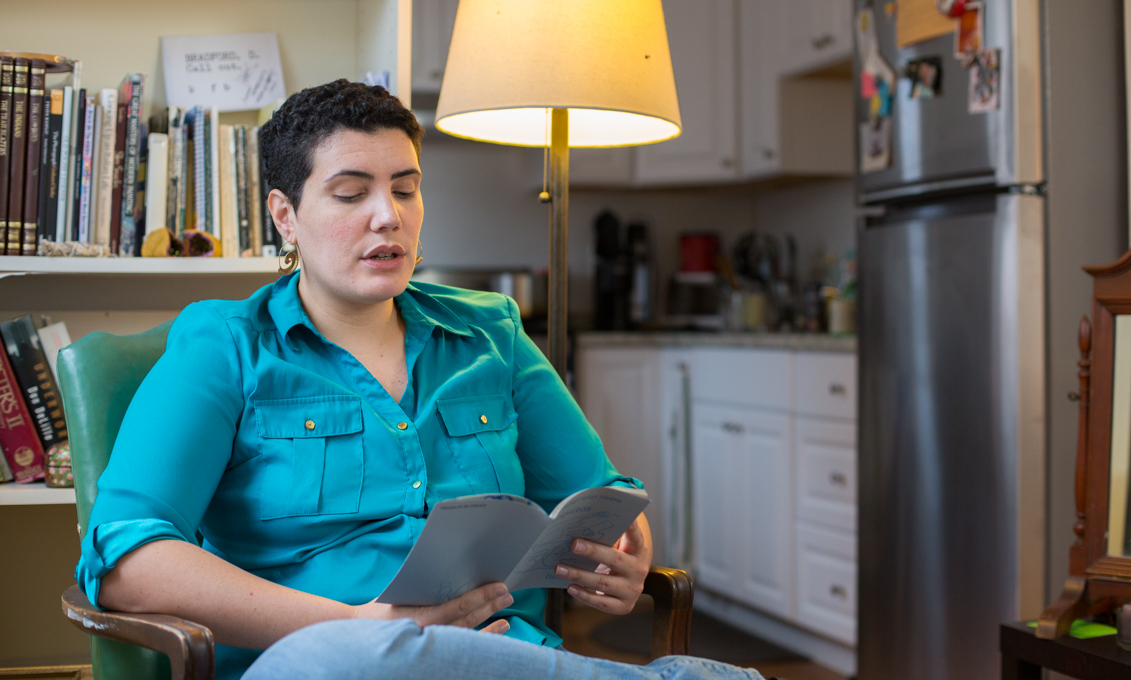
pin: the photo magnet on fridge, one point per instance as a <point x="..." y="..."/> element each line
<point x="926" y="77"/>
<point x="985" y="81"/>
<point x="968" y="30"/>
<point x="875" y="145"/>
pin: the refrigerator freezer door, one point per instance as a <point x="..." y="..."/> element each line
<point x="943" y="303"/>
<point x="937" y="140"/>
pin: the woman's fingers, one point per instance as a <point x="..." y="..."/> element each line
<point x="473" y="607"/>
<point x="608" y="584"/>
<point x="497" y="627"/>
<point x="605" y="603"/>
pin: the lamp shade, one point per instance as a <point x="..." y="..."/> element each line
<point x="607" y="61"/>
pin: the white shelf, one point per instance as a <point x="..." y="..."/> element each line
<point x="35" y="493"/>
<point x="137" y="265"/>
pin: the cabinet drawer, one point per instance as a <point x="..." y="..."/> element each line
<point x="826" y="582"/>
<point x="826" y="472"/>
<point x="744" y="377"/>
<point x="826" y="384"/>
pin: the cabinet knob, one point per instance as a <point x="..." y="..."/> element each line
<point x="728" y="162"/>
<point x="767" y="153"/>
<point x="437" y="74"/>
<point x="839" y="592"/>
<point x="838" y="478"/>
<point x="837" y="389"/>
<point x="733" y="427"/>
<point x="823" y="41"/>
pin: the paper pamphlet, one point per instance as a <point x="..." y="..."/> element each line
<point x="470" y="541"/>
<point x="233" y="71"/>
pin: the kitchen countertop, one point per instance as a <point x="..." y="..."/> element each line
<point x="802" y="342"/>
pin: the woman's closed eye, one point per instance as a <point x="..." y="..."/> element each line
<point x="349" y="199"/>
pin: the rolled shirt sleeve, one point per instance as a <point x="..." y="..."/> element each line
<point x="174" y="445"/>
<point x="559" y="450"/>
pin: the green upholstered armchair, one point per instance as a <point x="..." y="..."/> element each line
<point x="98" y="377"/>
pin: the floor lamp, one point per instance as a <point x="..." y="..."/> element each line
<point x="559" y="73"/>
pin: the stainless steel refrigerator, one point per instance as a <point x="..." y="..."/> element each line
<point x="951" y="437"/>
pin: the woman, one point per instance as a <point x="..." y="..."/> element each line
<point x="306" y="431"/>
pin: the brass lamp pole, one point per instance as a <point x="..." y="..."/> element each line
<point x="558" y="311"/>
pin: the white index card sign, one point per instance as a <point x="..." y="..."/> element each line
<point x="231" y="71"/>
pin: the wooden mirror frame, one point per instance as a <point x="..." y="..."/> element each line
<point x="1097" y="582"/>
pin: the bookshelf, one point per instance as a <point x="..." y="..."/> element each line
<point x="319" y="41"/>
<point x="35" y="493"/>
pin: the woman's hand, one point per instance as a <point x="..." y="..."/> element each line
<point x="467" y="611"/>
<point x="617" y="582"/>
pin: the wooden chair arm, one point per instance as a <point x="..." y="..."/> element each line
<point x="672" y="592"/>
<point x="188" y="645"/>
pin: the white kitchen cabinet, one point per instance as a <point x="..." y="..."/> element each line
<point x="814" y="34"/>
<point x="600" y="167"/>
<point x="741" y="504"/>
<point x="800" y="126"/>
<point x="701" y="38"/>
<point x="432" y="24"/>
<point x="826" y="472"/>
<point x="826" y="581"/>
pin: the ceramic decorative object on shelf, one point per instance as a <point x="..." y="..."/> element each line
<point x="59" y="473"/>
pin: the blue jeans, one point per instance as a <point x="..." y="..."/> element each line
<point x="401" y="650"/>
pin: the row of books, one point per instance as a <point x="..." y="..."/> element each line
<point x="31" y="409"/>
<point x="203" y="177"/>
<point x="86" y="168"/>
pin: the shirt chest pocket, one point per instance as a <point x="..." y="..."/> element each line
<point x="312" y="455"/>
<point x="484" y="426"/>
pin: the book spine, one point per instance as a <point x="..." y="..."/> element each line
<point x="108" y="101"/>
<point x="36" y="77"/>
<point x="242" y="214"/>
<point x="157" y="184"/>
<point x="139" y="189"/>
<point x="44" y="171"/>
<point x="229" y="222"/>
<point x="254" y="202"/>
<point x="87" y="160"/>
<point x="54" y="153"/>
<point x="95" y="159"/>
<point x="18" y="151"/>
<point x="75" y="189"/>
<point x="175" y="201"/>
<point x="199" y="150"/>
<point x="37" y="383"/>
<point x="213" y="160"/>
<point x="18" y="437"/>
<point x="123" y="114"/>
<point x="129" y="243"/>
<point x="7" y="75"/>
<point x="64" y="166"/>
<point x="70" y="191"/>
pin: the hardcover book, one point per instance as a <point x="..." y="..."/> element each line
<point x="139" y="189"/>
<point x="36" y="77"/>
<point x="212" y="170"/>
<point x="84" y="177"/>
<point x="195" y="120"/>
<point x="229" y="221"/>
<point x="52" y="339"/>
<point x="122" y="115"/>
<point x="54" y="157"/>
<point x="33" y="375"/>
<point x="18" y="161"/>
<point x="157" y="201"/>
<point x="176" y="173"/>
<point x="7" y="74"/>
<point x="242" y="215"/>
<point x="95" y="160"/>
<point x="475" y="540"/>
<point x="18" y="439"/>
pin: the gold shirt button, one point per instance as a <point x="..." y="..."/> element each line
<point x="310" y="424"/>
<point x="483" y="419"/>
<point x="416" y="484"/>
<point x="402" y="426"/>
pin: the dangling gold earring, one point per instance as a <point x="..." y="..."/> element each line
<point x="419" y="253"/>
<point x="288" y="259"/>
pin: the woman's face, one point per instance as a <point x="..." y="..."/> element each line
<point x="358" y="222"/>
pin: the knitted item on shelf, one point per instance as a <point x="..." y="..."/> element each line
<point x="72" y="249"/>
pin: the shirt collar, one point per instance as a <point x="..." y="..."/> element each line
<point x="422" y="312"/>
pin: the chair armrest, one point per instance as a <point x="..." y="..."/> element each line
<point x="672" y="592"/>
<point x="188" y="645"/>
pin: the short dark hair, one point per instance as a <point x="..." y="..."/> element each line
<point x="287" y="141"/>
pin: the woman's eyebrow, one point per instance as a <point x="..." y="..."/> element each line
<point x="404" y="173"/>
<point x="350" y="173"/>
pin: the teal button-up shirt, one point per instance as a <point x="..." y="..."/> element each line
<point x="294" y="464"/>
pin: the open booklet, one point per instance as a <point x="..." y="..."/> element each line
<point x="473" y="540"/>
